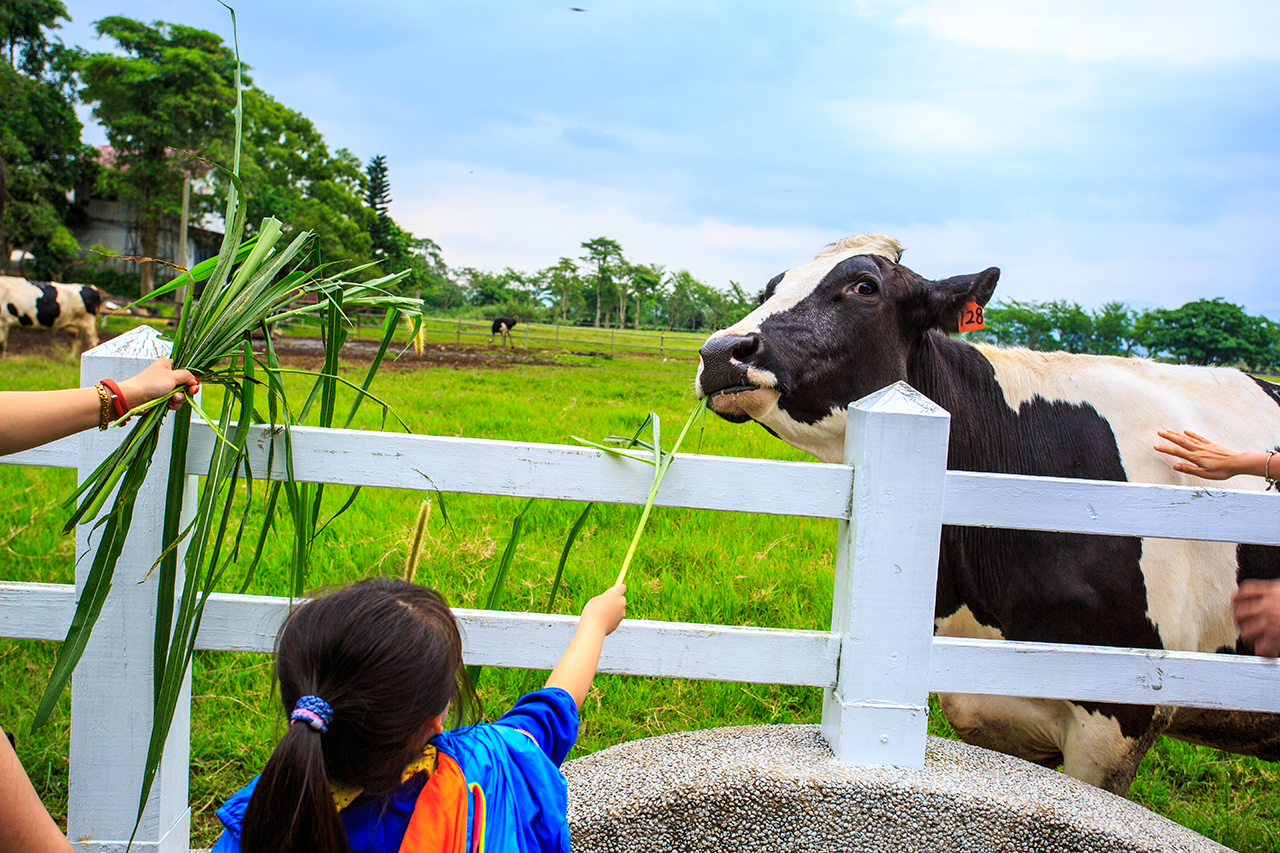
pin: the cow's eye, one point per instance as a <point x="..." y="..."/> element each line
<point x="861" y="288"/>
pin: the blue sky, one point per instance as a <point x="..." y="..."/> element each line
<point x="1091" y="150"/>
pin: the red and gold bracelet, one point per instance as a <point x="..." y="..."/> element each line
<point x="104" y="406"/>
<point x="118" y="402"/>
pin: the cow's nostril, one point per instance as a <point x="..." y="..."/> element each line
<point x="746" y="347"/>
<point x="722" y="362"/>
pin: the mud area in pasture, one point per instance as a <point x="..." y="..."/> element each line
<point x="307" y="353"/>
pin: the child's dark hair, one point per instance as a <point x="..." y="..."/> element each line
<point x="387" y="657"/>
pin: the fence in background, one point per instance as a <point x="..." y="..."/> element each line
<point x="876" y="665"/>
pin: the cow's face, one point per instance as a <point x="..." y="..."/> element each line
<point x="826" y="334"/>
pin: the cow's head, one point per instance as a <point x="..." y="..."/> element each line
<point x="826" y="334"/>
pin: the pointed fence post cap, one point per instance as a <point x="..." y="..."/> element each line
<point x="142" y="342"/>
<point x="899" y="398"/>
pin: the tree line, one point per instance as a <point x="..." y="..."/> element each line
<point x="1206" y="331"/>
<point x="166" y="98"/>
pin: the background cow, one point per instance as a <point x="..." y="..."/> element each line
<point x="503" y="326"/>
<point x="50" y="307"/>
<point x="853" y="321"/>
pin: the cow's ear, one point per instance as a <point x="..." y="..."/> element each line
<point x="947" y="298"/>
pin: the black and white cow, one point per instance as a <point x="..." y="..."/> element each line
<point x="853" y="321"/>
<point x="49" y="307"/>
<point x="503" y="326"/>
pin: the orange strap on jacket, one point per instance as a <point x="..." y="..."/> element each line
<point x="439" y="821"/>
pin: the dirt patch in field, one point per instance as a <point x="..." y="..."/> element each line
<point x="307" y="354"/>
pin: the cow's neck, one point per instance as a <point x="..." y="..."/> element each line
<point x="954" y="375"/>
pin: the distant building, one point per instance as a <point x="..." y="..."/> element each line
<point x="111" y="223"/>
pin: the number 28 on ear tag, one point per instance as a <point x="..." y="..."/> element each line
<point x="971" y="317"/>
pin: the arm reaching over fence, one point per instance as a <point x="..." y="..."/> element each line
<point x="32" y="418"/>
<point x="577" y="667"/>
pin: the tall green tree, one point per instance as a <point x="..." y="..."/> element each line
<point x="1211" y="331"/>
<point x="605" y="257"/>
<point x="377" y="196"/>
<point x="646" y="289"/>
<point x="566" y="287"/>
<point x="170" y="91"/>
<point x="289" y="172"/>
<point x="41" y="156"/>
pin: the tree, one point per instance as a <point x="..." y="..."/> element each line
<point x="646" y="287"/>
<point x="289" y="172"/>
<point x="606" y="256"/>
<point x="173" y="90"/>
<point x="377" y="196"/>
<point x="565" y="286"/>
<point x="1210" y="331"/>
<point x="1113" y="330"/>
<point x="41" y="156"/>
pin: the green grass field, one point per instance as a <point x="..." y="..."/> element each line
<point x="693" y="566"/>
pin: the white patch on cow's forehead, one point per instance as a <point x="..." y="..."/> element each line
<point x="799" y="282"/>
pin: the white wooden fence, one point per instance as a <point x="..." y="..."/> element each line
<point x="877" y="664"/>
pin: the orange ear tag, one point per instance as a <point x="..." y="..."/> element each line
<point x="971" y="317"/>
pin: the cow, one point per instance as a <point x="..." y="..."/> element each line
<point x="50" y="307"/>
<point x="855" y="320"/>
<point x="503" y="326"/>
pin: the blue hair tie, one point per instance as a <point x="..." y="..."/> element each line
<point x="313" y="711"/>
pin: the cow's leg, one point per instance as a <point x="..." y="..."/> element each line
<point x="1243" y="732"/>
<point x="1097" y="749"/>
<point x="1030" y="729"/>
<point x="1087" y="741"/>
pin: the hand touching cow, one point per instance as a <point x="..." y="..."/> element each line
<point x="1256" y="605"/>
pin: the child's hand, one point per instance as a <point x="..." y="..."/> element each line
<point x="606" y="610"/>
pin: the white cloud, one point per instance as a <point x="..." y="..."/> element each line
<point x="1092" y="262"/>
<point x="1176" y="31"/>
<point x="491" y="220"/>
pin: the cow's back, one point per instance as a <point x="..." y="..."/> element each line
<point x="1188" y="584"/>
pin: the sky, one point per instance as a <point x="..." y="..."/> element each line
<point x="1093" y="150"/>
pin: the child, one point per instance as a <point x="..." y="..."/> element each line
<point x="369" y="674"/>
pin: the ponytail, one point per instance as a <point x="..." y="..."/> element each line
<point x="361" y="673"/>
<point x="292" y="809"/>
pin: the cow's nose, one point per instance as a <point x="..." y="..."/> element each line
<point x="722" y="362"/>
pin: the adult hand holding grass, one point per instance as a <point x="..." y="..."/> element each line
<point x="32" y="418"/>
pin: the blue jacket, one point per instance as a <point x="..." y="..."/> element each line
<point x="516" y="797"/>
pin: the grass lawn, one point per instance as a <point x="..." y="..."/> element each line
<point x="693" y="566"/>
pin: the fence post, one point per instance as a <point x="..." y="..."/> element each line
<point x="459" y="332"/>
<point x="526" y="335"/>
<point x="112" y="688"/>
<point x="885" y="576"/>
<point x="611" y="343"/>
<point x="662" y="343"/>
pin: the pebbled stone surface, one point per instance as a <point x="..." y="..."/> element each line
<point x="775" y="788"/>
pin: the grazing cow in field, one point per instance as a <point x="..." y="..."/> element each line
<point x="50" y="307"/>
<point x="503" y="326"/>
<point x="853" y="321"/>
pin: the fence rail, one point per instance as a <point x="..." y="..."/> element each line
<point x="877" y="663"/>
<point x="669" y="343"/>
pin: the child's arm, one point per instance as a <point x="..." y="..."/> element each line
<point x="577" y="667"/>
<point x="1213" y="461"/>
